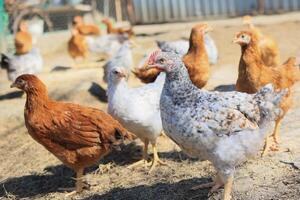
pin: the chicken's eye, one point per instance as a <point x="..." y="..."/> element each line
<point x="115" y="72"/>
<point x="162" y="61"/>
<point x="243" y="36"/>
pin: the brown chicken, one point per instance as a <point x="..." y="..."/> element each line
<point x="113" y="30"/>
<point x="23" y="39"/>
<point x="268" y="47"/>
<point x="77" y="45"/>
<point x="196" y="59"/>
<point x="78" y="136"/>
<point x="85" y="29"/>
<point x="254" y="74"/>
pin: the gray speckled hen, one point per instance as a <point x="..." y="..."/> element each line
<point x="223" y="127"/>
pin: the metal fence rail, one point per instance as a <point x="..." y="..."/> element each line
<point x="159" y="11"/>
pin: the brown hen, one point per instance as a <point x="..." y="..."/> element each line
<point x="268" y="47"/>
<point x="77" y="45"/>
<point x="113" y="30"/>
<point x="254" y="74"/>
<point x="196" y="60"/>
<point x="23" y="39"/>
<point x="85" y="29"/>
<point x="78" y="136"/>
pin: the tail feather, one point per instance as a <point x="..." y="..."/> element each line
<point x="269" y="102"/>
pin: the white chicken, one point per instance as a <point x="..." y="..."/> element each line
<point x="122" y="58"/>
<point x="137" y="109"/>
<point x="16" y="65"/>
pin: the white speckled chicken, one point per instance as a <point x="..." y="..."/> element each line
<point x="225" y="128"/>
<point x="182" y="46"/>
<point x="16" y="65"/>
<point x="123" y="58"/>
<point x="137" y="109"/>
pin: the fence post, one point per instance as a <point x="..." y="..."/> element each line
<point x="261" y="6"/>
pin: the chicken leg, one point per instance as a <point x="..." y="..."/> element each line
<point x="144" y="159"/>
<point x="79" y="183"/>
<point x="156" y="159"/>
<point x="275" y="134"/>
<point x="228" y="188"/>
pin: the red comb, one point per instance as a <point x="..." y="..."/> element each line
<point x="153" y="56"/>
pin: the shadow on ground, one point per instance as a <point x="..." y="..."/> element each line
<point x="225" y="88"/>
<point x="167" y="191"/>
<point x="11" y="95"/>
<point x="99" y="92"/>
<point x="35" y="185"/>
<point x="55" y="177"/>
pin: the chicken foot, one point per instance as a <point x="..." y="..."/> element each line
<point x="79" y="184"/>
<point x="156" y="159"/>
<point x="275" y="134"/>
<point x="214" y="185"/>
<point x="144" y="159"/>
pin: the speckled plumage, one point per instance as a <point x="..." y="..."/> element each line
<point x="16" y="65"/>
<point x="123" y="58"/>
<point x="181" y="47"/>
<point x="222" y="127"/>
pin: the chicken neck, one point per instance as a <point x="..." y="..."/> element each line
<point x="37" y="97"/>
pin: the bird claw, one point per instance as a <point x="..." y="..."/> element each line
<point x="155" y="162"/>
<point x="140" y="162"/>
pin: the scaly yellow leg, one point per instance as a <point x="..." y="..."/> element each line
<point x="228" y="188"/>
<point x="144" y="160"/>
<point x="79" y="183"/>
<point x="156" y="159"/>
<point x="276" y="131"/>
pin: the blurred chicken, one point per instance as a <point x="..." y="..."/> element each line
<point x="114" y="30"/>
<point x="85" y="29"/>
<point x="77" y="45"/>
<point x="106" y="44"/>
<point x="123" y="58"/>
<point x="23" y="39"/>
<point x="16" y="65"/>
<point x="254" y="74"/>
<point x="196" y="59"/>
<point x="137" y="109"/>
<point x="268" y="47"/>
<point x="182" y="46"/>
<point x="78" y="136"/>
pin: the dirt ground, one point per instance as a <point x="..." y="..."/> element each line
<point x="28" y="171"/>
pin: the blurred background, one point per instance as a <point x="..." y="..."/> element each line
<point x="55" y="15"/>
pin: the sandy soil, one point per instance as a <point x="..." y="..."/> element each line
<point x="28" y="171"/>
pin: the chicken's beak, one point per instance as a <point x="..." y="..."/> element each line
<point x="235" y="40"/>
<point x="13" y="85"/>
<point x="152" y="66"/>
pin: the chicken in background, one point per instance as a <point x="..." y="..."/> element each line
<point x="16" y="65"/>
<point x="23" y="39"/>
<point x="113" y="30"/>
<point x="226" y="128"/>
<point x="195" y="60"/>
<point x="182" y="46"/>
<point x="85" y="29"/>
<point x="123" y="58"/>
<point x="254" y="74"/>
<point x="106" y="44"/>
<point x="137" y="109"/>
<point x="77" y="45"/>
<point x="78" y="136"/>
<point x="268" y="46"/>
